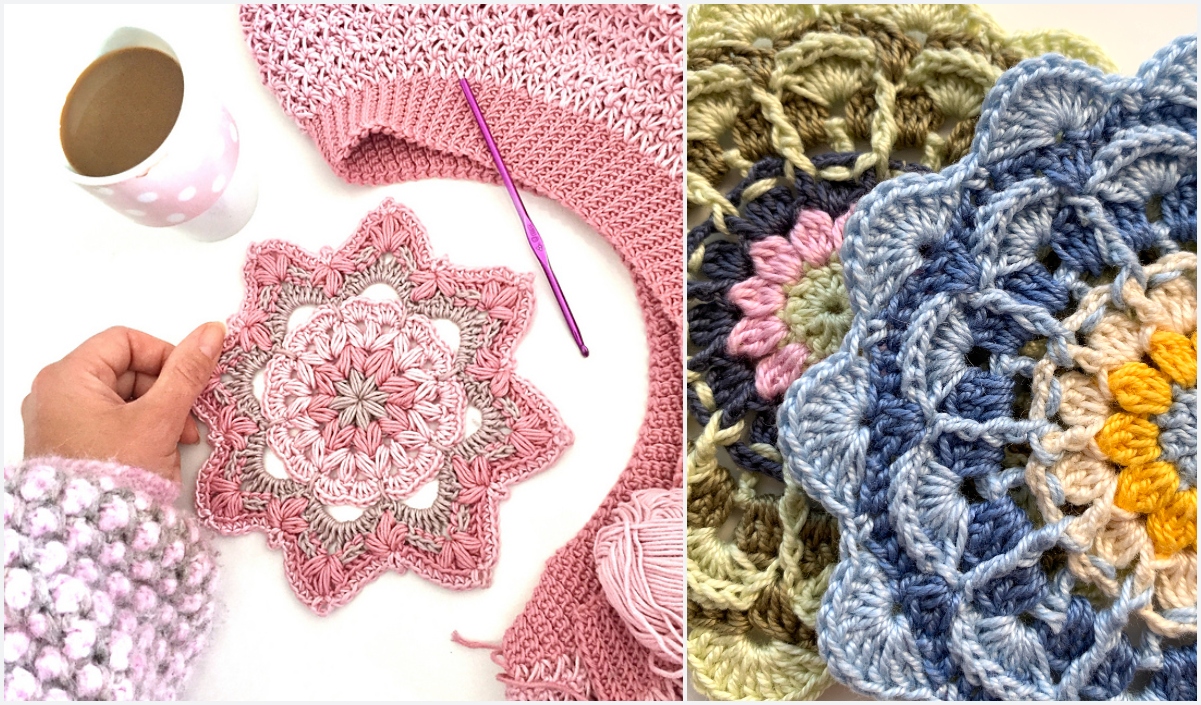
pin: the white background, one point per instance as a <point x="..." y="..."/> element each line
<point x="1129" y="34"/>
<point x="72" y="267"/>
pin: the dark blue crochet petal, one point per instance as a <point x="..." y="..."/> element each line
<point x="1177" y="679"/>
<point x="1114" y="675"/>
<point x="1074" y="244"/>
<point x="733" y="385"/>
<point x="709" y="324"/>
<point x="1070" y="641"/>
<point x="773" y="213"/>
<point x="727" y="263"/>
<point x="1034" y="285"/>
<point x="996" y="527"/>
<point x="1013" y="593"/>
<point x="969" y="459"/>
<point x="929" y="604"/>
<point x="980" y="396"/>
<point x="998" y="334"/>
<point x="1179" y="209"/>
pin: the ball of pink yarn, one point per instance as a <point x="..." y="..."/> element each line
<point x="640" y="563"/>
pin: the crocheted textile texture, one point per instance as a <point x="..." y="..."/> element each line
<point x="108" y="591"/>
<point x="765" y="306"/>
<point x="766" y="85"/>
<point x="342" y="49"/>
<point x="1009" y="523"/>
<point x="1127" y="446"/>
<point x="366" y="404"/>
<point x="774" y="78"/>
<point x="602" y="136"/>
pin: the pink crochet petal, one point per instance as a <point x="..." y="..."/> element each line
<point x="756" y="337"/>
<point x="287" y="515"/>
<point x="507" y="301"/>
<point x="774" y="375"/>
<point x="538" y="435"/>
<point x="776" y="260"/>
<point x="814" y="238"/>
<point x="347" y="460"/>
<point x="364" y="403"/>
<point x="268" y="269"/>
<point x="388" y="538"/>
<point x="758" y="298"/>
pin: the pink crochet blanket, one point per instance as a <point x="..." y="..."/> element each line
<point x="586" y="105"/>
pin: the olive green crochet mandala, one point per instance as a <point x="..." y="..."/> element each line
<point x="794" y="113"/>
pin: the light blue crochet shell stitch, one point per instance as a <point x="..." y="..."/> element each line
<point x="950" y="585"/>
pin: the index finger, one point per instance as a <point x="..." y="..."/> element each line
<point x="118" y="350"/>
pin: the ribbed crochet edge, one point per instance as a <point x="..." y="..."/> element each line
<point x="154" y="486"/>
<point x="421" y="127"/>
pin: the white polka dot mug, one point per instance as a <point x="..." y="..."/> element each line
<point x="198" y="180"/>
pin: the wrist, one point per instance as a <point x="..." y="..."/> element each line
<point x="152" y="484"/>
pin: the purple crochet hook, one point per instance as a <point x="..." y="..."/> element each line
<point x="531" y="232"/>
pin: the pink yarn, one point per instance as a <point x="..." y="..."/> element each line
<point x="617" y="65"/>
<point x="640" y="563"/>
<point x="780" y="263"/>
<point x="409" y="412"/>
<point x="757" y="337"/>
<point x="586" y="103"/>
<point x="366" y="404"/>
<point x="758" y="297"/>
<point x="816" y="236"/>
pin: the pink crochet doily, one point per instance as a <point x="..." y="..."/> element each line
<point x="375" y="439"/>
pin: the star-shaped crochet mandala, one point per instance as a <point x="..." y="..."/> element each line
<point x="388" y="423"/>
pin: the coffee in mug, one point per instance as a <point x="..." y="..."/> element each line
<point x="142" y="131"/>
<point x="120" y="110"/>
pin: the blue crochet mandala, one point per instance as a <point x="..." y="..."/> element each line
<point x="929" y="433"/>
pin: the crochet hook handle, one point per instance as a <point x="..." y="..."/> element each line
<point x="531" y="232"/>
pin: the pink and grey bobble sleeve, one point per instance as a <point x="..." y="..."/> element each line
<point x="107" y="588"/>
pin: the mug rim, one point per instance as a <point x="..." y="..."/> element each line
<point x="143" y="167"/>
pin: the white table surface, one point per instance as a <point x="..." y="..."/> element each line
<point x="1129" y="34"/>
<point x="72" y="267"/>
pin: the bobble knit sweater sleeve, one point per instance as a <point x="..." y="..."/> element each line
<point x="107" y="588"/>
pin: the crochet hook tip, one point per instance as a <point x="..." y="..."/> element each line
<point x="531" y="232"/>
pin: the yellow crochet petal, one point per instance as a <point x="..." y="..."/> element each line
<point x="1141" y="389"/>
<point x="1144" y="489"/>
<point x="1129" y="440"/>
<point x="1066" y="43"/>
<point x="1176" y="355"/>
<point x="1175" y="526"/>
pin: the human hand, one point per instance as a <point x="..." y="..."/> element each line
<point x="122" y="395"/>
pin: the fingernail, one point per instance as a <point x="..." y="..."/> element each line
<point x="211" y="338"/>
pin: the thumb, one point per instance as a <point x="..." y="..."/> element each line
<point x="186" y="372"/>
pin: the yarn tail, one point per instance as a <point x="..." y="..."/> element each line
<point x="471" y="643"/>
